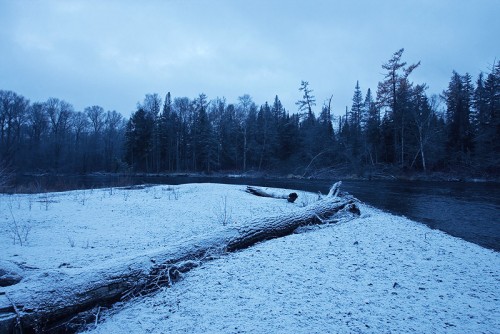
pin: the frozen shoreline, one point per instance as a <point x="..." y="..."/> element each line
<point x="378" y="273"/>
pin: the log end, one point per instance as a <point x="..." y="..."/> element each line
<point x="353" y="208"/>
<point x="292" y="197"/>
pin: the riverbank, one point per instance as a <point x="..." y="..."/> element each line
<point x="377" y="273"/>
<point x="29" y="183"/>
<point x="434" y="203"/>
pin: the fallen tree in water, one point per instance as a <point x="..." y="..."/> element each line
<point x="63" y="300"/>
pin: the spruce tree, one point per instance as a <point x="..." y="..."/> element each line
<point x="394" y="93"/>
<point x="458" y="99"/>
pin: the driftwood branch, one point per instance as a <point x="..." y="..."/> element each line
<point x="335" y="190"/>
<point x="62" y="300"/>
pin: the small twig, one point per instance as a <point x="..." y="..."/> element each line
<point x="97" y="315"/>
<point x="18" y="314"/>
<point x="320" y="220"/>
<point x="15" y="228"/>
<point x="425" y="239"/>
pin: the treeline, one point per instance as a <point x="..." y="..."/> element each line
<point x="51" y="136"/>
<point x="397" y="126"/>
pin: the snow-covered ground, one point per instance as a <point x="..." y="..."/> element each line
<point x="77" y="229"/>
<point x="376" y="274"/>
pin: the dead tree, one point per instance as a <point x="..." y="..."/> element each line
<point x="263" y="193"/>
<point x="64" y="299"/>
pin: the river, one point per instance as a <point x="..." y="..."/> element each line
<point x="467" y="210"/>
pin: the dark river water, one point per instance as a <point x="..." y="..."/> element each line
<point x="470" y="211"/>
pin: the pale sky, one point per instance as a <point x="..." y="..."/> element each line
<point x="112" y="53"/>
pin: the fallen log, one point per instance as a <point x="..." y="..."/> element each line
<point x="63" y="300"/>
<point x="291" y="197"/>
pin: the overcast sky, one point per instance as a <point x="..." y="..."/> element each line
<point x="112" y="53"/>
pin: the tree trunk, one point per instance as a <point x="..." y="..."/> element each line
<point x="422" y="151"/>
<point x="64" y="299"/>
<point x="245" y="150"/>
<point x="291" y="197"/>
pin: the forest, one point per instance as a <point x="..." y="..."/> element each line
<point x="396" y="129"/>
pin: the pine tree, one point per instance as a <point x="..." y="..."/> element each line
<point x="356" y="109"/>
<point x="371" y="128"/>
<point x="183" y="117"/>
<point x="307" y="102"/>
<point x="205" y="142"/>
<point x="267" y="136"/>
<point x="289" y="140"/>
<point x="421" y="123"/>
<point x="152" y="106"/>
<point x="488" y="110"/>
<point x="166" y="135"/>
<point x="247" y="116"/>
<point x="355" y="124"/>
<point x="480" y="121"/>
<point x="458" y="98"/>
<point x="139" y="140"/>
<point x="493" y="87"/>
<point x="325" y="136"/>
<point x="394" y="93"/>
<point x="202" y="143"/>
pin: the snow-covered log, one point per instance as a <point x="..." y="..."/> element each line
<point x="278" y="226"/>
<point x="62" y="300"/>
<point x="263" y="193"/>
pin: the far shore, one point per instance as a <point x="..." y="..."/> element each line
<point x="49" y="181"/>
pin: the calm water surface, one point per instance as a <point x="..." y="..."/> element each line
<point x="470" y="211"/>
<point x="467" y="210"/>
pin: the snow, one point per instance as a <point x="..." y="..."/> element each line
<point x="77" y="229"/>
<point x="379" y="273"/>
